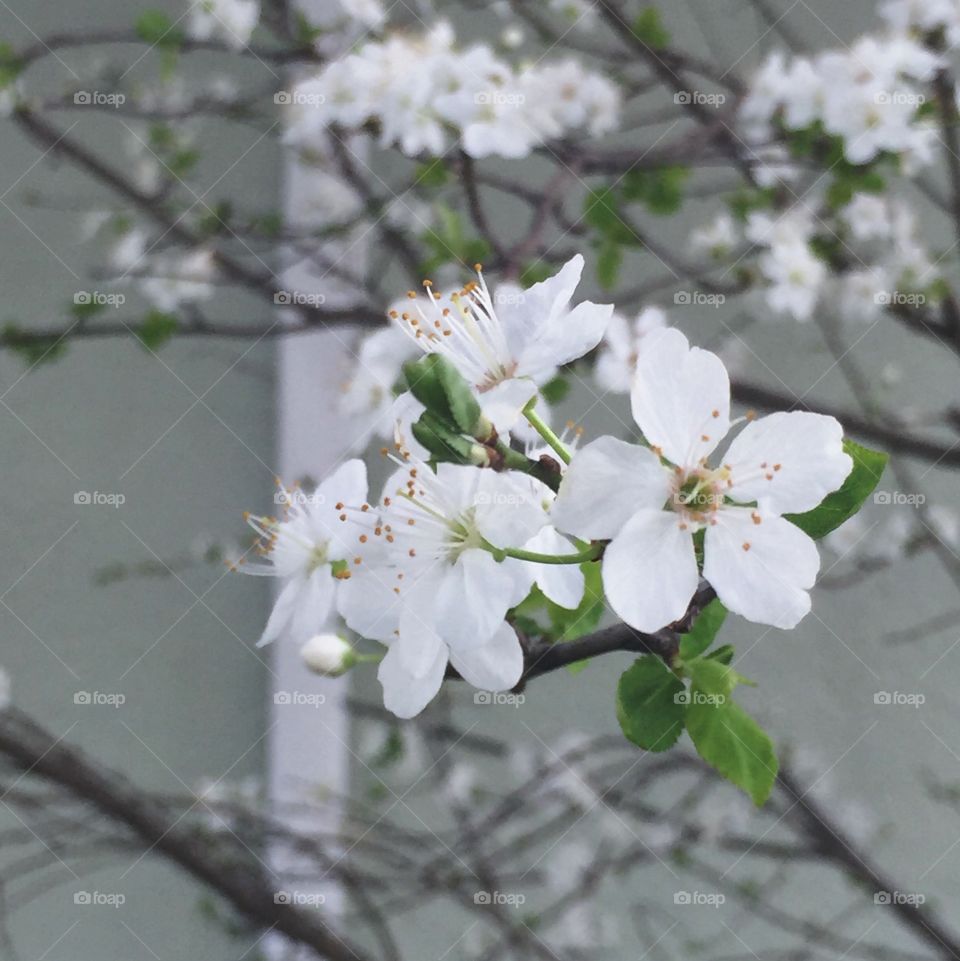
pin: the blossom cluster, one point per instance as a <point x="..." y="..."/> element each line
<point x="468" y="523"/>
<point x="419" y="90"/>
<point x="868" y="94"/>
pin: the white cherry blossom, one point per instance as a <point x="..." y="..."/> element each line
<point x="650" y="502"/>
<point x="507" y="344"/>
<point x="309" y="549"/>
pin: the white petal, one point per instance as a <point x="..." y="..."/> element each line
<point x="348" y="483"/>
<point x="788" y="462"/>
<point x="606" y="483"/>
<point x="677" y="389"/>
<point x="472" y="598"/>
<point x="417" y="645"/>
<point x="768" y="581"/>
<point x="509" y="509"/>
<point x="314" y="605"/>
<point x="369" y="604"/>
<point x="570" y="336"/>
<point x="494" y="666"/>
<point x="562" y="583"/>
<point x="283" y="608"/>
<point x="503" y="402"/>
<point x="404" y="694"/>
<point x="650" y="570"/>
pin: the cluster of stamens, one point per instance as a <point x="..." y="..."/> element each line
<point x="469" y="332"/>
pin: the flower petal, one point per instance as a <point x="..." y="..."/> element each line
<point x="570" y="335"/>
<point x="368" y="602"/>
<point x="314" y="605"/>
<point x="283" y="608"/>
<point x="650" y="570"/>
<point x="404" y="694"/>
<point x="680" y="397"/>
<point x="494" y="666"/>
<point x="471" y="599"/>
<point x="606" y="483"/>
<point x="562" y="583"/>
<point x="503" y="403"/>
<point x="766" y="581"/>
<point x="788" y="461"/>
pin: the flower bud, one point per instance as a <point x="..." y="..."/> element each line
<point x="328" y="655"/>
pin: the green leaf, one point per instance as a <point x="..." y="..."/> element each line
<point x="660" y="190"/>
<point x="442" y="442"/>
<point x="535" y="272"/>
<point x="440" y="387"/>
<point x="842" y="504"/>
<point x="157" y="328"/>
<point x="11" y="66"/>
<point x="448" y="241"/>
<point x="434" y="173"/>
<point x="555" y="390"/>
<point x="724" y="654"/>
<point x="609" y="260"/>
<point x="156" y="28"/>
<point x="711" y="676"/>
<point x="650" y="704"/>
<point x="648" y="27"/>
<point x="732" y="742"/>
<point x="601" y="210"/>
<point x="32" y="350"/>
<point x="704" y="630"/>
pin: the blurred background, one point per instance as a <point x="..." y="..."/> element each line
<point x="126" y="472"/>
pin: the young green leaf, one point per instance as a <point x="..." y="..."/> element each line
<point x="440" y="387"/>
<point x="712" y="676"/>
<point x="648" y="27"/>
<point x="157" y="328"/>
<point x="842" y="504"/>
<point x="732" y="742"/>
<point x="651" y="702"/>
<point x="156" y="28"/>
<point x="704" y="630"/>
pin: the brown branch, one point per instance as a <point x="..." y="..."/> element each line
<point x="239" y="879"/>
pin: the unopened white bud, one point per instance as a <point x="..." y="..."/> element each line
<point x="328" y="654"/>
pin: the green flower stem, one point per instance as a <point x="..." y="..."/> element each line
<point x="544" y="431"/>
<point x="514" y="460"/>
<point x="590" y="553"/>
